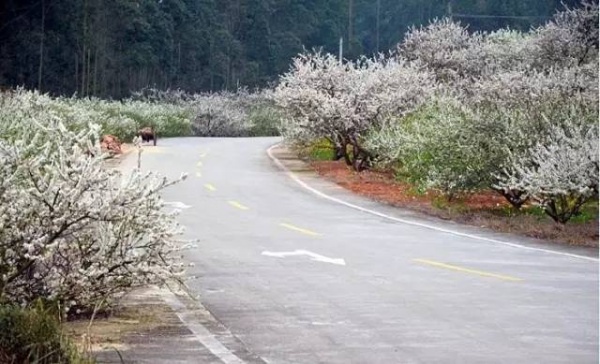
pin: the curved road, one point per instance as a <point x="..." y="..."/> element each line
<point x="302" y="279"/>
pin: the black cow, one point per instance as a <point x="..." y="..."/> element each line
<point x="148" y="134"/>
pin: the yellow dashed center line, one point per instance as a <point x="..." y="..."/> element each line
<point x="199" y="164"/>
<point x="466" y="270"/>
<point x="210" y="187"/>
<point x="299" y="229"/>
<point x="151" y="150"/>
<point x="198" y="174"/>
<point x="238" y="205"/>
<point x="202" y="155"/>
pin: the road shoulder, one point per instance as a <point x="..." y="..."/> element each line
<point x="160" y="325"/>
<point x="300" y="172"/>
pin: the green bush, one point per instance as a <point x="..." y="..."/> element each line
<point x="265" y="120"/>
<point x="167" y="119"/>
<point x="33" y="335"/>
<point x="439" y="146"/>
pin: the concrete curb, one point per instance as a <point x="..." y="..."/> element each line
<point x="184" y="332"/>
<point x="207" y="330"/>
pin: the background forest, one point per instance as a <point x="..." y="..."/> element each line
<point x="108" y="48"/>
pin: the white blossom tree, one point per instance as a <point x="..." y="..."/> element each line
<point x="73" y="231"/>
<point x="517" y="87"/>
<point x="570" y="39"/>
<point x="441" y="46"/>
<point x="461" y="142"/>
<point x="218" y="114"/>
<point x="560" y="174"/>
<point x="457" y="56"/>
<point x="340" y="101"/>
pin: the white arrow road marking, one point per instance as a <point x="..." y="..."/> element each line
<point x="177" y="205"/>
<point x="314" y="256"/>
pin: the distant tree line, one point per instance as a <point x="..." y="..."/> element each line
<point x="108" y="48"/>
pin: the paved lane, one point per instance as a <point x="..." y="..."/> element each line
<point x="406" y="294"/>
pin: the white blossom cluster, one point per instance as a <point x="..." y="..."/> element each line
<point x="560" y="174"/>
<point x="460" y="111"/>
<point x="439" y="146"/>
<point x="122" y="119"/>
<point x="72" y="230"/>
<point x="570" y="39"/>
<point x="454" y="54"/>
<point x="341" y="101"/>
<point x="441" y="45"/>
<point x="168" y="120"/>
<point x="221" y="114"/>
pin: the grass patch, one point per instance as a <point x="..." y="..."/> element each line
<point x="321" y="154"/>
<point x="588" y="212"/>
<point x="321" y="150"/>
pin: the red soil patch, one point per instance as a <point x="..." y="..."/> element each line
<point x="111" y="144"/>
<point x="484" y="209"/>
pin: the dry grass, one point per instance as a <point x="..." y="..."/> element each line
<point x="109" y="332"/>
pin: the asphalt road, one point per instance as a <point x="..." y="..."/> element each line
<point x="299" y="278"/>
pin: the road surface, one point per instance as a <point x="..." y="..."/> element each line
<point x="299" y="278"/>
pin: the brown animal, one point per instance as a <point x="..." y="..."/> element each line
<point x="147" y="134"/>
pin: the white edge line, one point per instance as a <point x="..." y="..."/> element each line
<point x="200" y="332"/>
<point x="427" y="226"/>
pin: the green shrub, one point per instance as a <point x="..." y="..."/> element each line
<point x="33" y="335"/>
<point x="167" y="119"/>
<point x="265" y="120"/>
<point x="438" y="146"/>
<point x="319" y="150"/>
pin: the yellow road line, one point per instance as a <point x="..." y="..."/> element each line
<point x="299" y="229"/>
<point x="152" y="149"/>
<point x="199" y="164"/>
<point x="466" y="270"/>
<point x="210" y="187"/>
<point x="202" y="155"/>
<point x="198" y="174"/>
<point x="238" y="205"/>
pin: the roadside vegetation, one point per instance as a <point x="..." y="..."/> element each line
<point x="459" y="114"/>
<point x="170" y="113"/>
<point x="449" y="116"/>
<point x="220" y="114"/>
<point x="75" y="236"/>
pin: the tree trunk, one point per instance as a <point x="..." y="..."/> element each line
<point x="378" y="25"/>
<point x="76" y="72"/>
<point x="42" y="38"/>
<point x="339" y="148"/>
<point x="89" y="75"/>
<point x="515" y="197"/>
<point x="344" y="149"/>
<point x="360" y="157"/>
<point x="95" y="80"/>
<point x="350" y="21"/>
